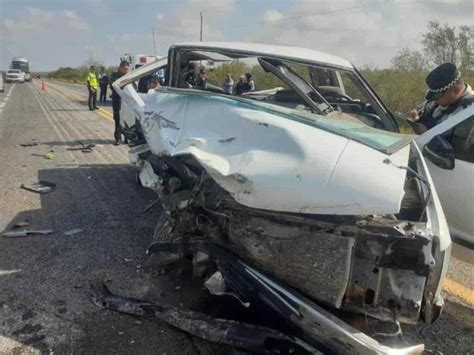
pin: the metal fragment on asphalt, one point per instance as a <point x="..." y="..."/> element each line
<point x="21" y="224"/>
<point x="41" y="187"/>
<point x="26" y="233"/>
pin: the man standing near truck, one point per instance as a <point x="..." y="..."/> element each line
<point x="92" y="86"/>
<point x="117" y="101"/>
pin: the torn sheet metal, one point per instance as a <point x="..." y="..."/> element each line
<point x="309" y="167"/>
<point x="320" y="326"/>
<point x="249" y="337"/>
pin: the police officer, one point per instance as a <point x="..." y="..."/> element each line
<point x="104" y="82"/>
<point x="447" y="94"/>
<point x="116" y="100"/>
<point x="92" y="86"/>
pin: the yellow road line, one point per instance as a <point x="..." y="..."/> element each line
<point x="460" y="291"/>
<point x="104" y="113"/>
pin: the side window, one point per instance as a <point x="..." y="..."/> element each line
<point x="461" y="138"/>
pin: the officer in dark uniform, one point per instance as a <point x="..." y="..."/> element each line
<point x="447" y="94"/>
<point x="103" y="83"/>
<point x="116" y="100"/>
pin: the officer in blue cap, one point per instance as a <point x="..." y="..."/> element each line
<point x="447" y="94"/>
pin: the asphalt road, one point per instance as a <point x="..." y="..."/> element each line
<point x="44" y="280"/>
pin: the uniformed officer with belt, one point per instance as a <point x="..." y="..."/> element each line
<point x="447" y="94"/>
<point x="116" y="100"/>
<point x="92" y="86"/>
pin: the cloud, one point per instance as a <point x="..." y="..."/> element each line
<point x="183" y="24"/>
<point x="48" y="38"/>
<point x="272" y="16"/>
<point x="369" y="33"/>
<point x="35" y="19"/>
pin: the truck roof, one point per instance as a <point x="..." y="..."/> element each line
<point x="295" y="53"/>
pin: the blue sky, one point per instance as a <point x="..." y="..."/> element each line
<point x="53" y="33"/>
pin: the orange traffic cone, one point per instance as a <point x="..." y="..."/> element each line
<point x="43" y="86"/>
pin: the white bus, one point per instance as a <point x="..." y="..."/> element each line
<point x="22" y="64"/>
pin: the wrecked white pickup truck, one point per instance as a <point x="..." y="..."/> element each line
<point x="304" y="183"/>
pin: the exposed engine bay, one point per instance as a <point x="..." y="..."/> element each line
<point x="358" y="263"/>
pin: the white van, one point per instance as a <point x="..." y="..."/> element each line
<point x="15" y="76"/>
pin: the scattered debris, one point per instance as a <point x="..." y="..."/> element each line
<point x="21" y="224"/>
<point x="216" y="286"/>
<point x="8" y="272"/>
<point x="72" y="232"/>
<point x="85" y="148"/>
<point x="227" y="140"/>
<point x="26" y="233"/>
<point x="32" y="144"/>
<point x="263" y="124"/>
<point x="41" y="187"/>
<point x="147" y="208"/>
<point x="49" y="155"/>
<point x="241" y="335"/>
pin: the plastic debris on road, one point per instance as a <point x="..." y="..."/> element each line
<point x="26" y="233"/>
<point x="41" y="187"/>
<point x="72" y="232"/>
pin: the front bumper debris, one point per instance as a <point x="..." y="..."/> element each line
<point x="313" y="329"/>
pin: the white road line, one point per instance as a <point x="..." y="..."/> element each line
<point x="10" y="91"/>
<point x="2" y="104"/>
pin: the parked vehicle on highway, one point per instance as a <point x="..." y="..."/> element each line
<point x="22" y="64"/>
<point x="15" y="76"/>
<point x="305" y="180"/>
<point x="449" y="148"/>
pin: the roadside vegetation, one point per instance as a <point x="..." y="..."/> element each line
<point x="402" y="86"/>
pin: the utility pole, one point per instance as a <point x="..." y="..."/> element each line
<point x="154" y="43"/>
<point x="200" y="37"/>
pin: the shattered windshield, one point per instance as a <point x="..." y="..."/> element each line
<point x="331" y="98"/>
<point x="346" y="126"/>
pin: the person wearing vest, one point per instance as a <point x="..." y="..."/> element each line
<point x="447" y="94"/>
<point x="117" y="101"/>
<point x="92" y="86"/>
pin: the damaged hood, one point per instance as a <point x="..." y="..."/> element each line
<point x="267" y="161"/>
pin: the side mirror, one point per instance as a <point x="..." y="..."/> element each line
<point x="440" y="152"/>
